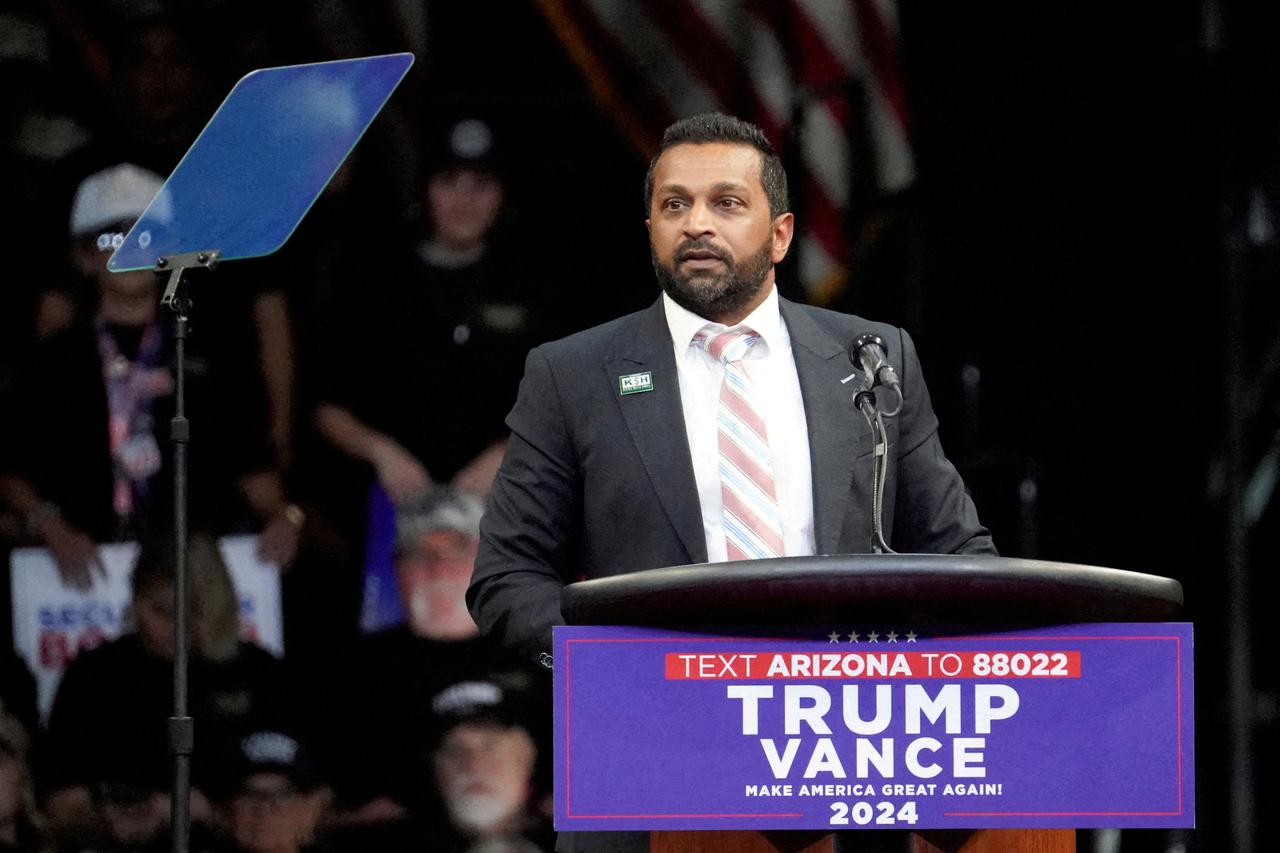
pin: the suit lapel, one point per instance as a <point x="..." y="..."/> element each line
<point x="836" y="430"/>
<point x="655" y="419"/>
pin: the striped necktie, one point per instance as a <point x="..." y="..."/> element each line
<point x="752" y="522"/>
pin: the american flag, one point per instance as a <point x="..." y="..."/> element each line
<point x="820" y="77"/>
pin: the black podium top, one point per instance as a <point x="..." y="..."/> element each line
<point x="906" y="588"/>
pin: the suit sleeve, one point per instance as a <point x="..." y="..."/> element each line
<point x="933" y="514"/>
<point x="529" y="525"/>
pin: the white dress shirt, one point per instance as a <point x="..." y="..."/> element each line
<point x="772" y="369"/>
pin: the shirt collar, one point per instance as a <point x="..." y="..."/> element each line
<point x="765" y="321"/>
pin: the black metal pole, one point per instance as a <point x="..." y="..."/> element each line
<point x="1239" y="633"/>
<point x="181" y="727"/>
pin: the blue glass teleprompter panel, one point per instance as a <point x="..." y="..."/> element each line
<point x="262" y="160"/>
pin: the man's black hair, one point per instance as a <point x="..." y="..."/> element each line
<point x="718" y="127"/>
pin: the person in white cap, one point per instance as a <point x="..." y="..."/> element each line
<point x="105" y="204"/>
<point x="391" y="675"/>
<point x="84" y="446"/>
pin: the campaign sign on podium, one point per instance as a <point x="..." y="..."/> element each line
<point x="1070" y="726"/>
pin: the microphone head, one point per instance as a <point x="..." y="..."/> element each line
<point x="855" y="350"/>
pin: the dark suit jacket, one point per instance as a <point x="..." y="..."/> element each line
<point x="596" y="483"/>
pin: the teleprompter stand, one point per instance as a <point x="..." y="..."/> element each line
<point x="181" y="727"/>
<point x="239" y="192"/>
<point x="933" y="591"/>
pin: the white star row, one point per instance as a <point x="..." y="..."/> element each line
<point x="872" y="637"/>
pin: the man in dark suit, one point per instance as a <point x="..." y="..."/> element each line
<point x="627" y="447"/>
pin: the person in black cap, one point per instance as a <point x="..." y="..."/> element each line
<point x="133" y="801"/>
<point x="430" y="359"/>
<point x="276" y="800"/>
<point x="419" y="363"/>
<point x="485" y="765"/>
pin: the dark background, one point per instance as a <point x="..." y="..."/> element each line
<point x="1087" y="262"/>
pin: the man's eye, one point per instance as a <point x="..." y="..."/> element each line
<point x="730" y="202"/>
<point x="673" y="204"/>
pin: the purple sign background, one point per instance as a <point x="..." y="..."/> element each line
<point x="1110" y="746"/>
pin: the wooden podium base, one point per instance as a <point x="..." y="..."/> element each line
<point x="995" y="841"/>
<point x="938" y="841"/>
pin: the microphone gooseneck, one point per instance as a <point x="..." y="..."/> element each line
<point x="869" y="354"/>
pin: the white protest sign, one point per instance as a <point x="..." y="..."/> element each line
<point x="53" y="622"/>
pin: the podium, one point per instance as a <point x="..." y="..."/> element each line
<point x="935" y="593"/>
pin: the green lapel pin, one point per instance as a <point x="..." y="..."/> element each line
<point x="635" y="383"/>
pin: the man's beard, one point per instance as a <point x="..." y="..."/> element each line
<point x="714" y="295"/>
<point x="480" y="812"/>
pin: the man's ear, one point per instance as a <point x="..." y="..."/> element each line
<point x="784" y="228"/>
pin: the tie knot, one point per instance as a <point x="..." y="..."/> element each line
<point x="729" y="346"/>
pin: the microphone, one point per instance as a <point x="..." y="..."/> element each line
<point x="867" y="352"/>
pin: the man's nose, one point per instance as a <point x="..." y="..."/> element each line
<point x="699" y="221"/>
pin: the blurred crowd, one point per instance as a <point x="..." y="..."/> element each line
<point x="371" y="361"/>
